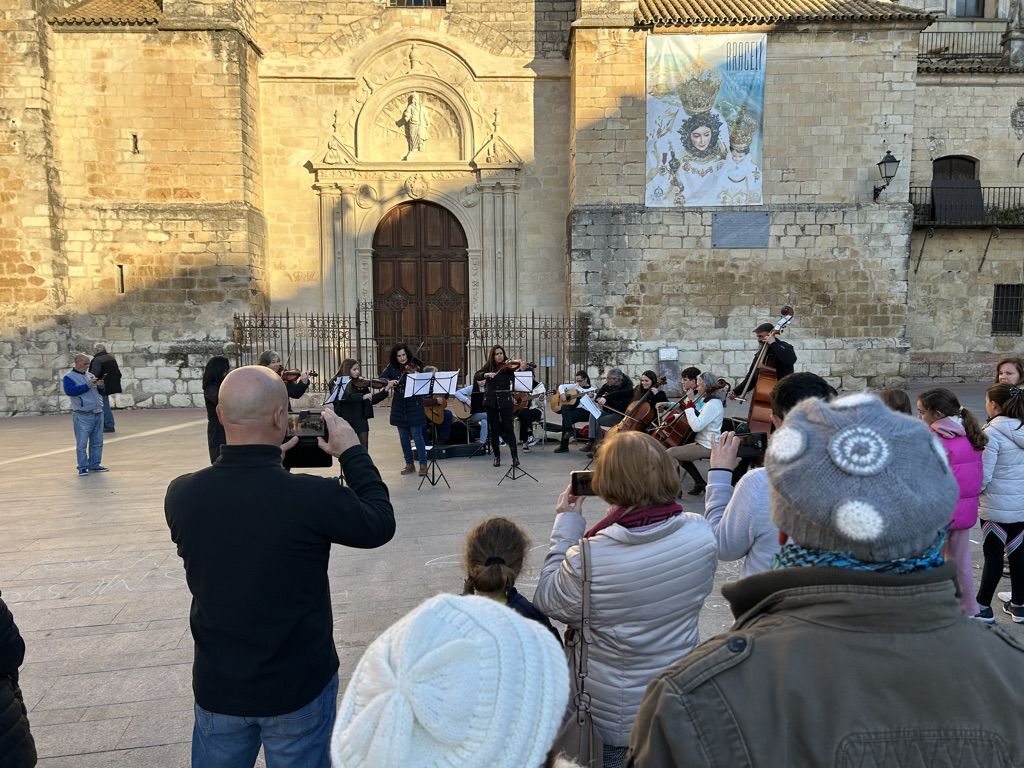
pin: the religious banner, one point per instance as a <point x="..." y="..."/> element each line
<point x="705" y="108"/>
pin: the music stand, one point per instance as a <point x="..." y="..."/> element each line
<point x="428" y="384"/>
<point x="523" y="383"/>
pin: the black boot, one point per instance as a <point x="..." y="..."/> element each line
<point x="563" y="444"/>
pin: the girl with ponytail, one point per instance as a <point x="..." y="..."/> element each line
<point x="1002" y="500"/>
<point x="964" y="441"/>
<point x="494" y="556"/>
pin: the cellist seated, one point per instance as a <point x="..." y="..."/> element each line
<point x="704" y="416"/>
<point x="647" y="391"/>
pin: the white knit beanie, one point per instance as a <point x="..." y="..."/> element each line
<point x="463" y="682"/>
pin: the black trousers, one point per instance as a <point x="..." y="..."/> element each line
<point x="527" y="418"/>
<point x="572" y="415"/>
<point x="993" y="548"/>
<point x="499" y="424"/>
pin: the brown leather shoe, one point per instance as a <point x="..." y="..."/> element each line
<point x="409" y="469"/>
<point x="423" y="469"/>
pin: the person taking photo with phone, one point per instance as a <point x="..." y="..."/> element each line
<point x="741" y="517"/>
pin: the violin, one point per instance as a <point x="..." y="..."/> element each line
<point x="512" y="366"/>
<point x="293" y="374"/>
<point x="360" y="383"/>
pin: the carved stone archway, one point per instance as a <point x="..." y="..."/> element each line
<point x="355" y="194"/>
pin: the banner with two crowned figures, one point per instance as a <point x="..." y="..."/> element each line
<point x="705" y="104"/>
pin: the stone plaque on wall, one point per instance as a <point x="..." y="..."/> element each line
<point x="740" y="229"/>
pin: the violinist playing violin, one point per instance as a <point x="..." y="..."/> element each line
<point x="497" y="377"/>
<point x="524" y="411"/>
<point x="781" y="356"/>
<point x="570" y="409"/>
<point x="297" y="385"/>
<point x="613" y="397"/>
<point x="353" y="398"/>
<point x="406" y="412"/>
<point x="704" y="416"/>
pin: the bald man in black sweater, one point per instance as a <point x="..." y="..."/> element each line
<point x="256" y="541"/>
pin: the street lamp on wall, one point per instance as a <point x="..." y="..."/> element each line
<point x="887" y="167"/>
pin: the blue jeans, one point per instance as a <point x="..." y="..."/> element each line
<point x="108" y="415"/>
<point x="405" y="434"/>
<point x="88" y="438"/>
<point x="299" y="739"/>
<point x="482" y="418"/>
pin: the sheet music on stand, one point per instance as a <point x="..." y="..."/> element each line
<point x="431" y="383"/>
<point x="338" y="389"/>
<point x="523" y="381"/>
<point x="588" y="403"/>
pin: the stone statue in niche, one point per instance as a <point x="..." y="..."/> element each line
<point x="416" y="120"/>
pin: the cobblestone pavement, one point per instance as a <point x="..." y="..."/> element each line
<point x="88" y="568"/>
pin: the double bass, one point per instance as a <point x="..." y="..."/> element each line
<point x="759" y="417"/>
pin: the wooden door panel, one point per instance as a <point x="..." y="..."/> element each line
<point x="421" y="282"/>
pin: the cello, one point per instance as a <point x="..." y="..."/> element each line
<point x="675" y="428"/>
<point x="759" y="417"/>
<point x="639" y="415"/>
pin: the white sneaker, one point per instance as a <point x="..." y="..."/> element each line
<point x="1004" y="596"/>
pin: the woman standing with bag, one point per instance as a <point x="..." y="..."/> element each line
<point x="653" y="566"/>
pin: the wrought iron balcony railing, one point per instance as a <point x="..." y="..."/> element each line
<point x="960" y="45"/>
<point x="968" y="205"/>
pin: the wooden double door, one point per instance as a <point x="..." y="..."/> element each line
<point x="421" y="284"/>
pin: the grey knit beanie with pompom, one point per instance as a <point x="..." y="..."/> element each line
<point x="854" y="476"/>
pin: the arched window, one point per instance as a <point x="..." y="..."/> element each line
<point x="955" y="167"/>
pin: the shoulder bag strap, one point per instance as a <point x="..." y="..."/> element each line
<point x="583" y="699"/>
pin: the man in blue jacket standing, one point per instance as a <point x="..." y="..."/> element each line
<point x="86" y="415"/>
<point x="256" y="542"/>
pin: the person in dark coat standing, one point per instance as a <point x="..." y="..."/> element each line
<point x="354" y="402"/>
<point x="17" y="748"/>
<point x="498" y="381"/>
<point x="780" y="355"/>
<point x="104" y="368"/>
<point x="256" y="545"/>
<point x="272" y="360"/>
<point x="406" y="412"/>
<point x="216" y="370"/>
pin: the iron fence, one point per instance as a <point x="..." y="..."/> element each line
<point x="961" y="45"/>
<point x="968" y="206"/>
<point x="559" y="345"/>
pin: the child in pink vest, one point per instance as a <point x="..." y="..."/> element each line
<point x="964" y="440"/>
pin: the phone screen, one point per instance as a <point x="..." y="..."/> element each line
<point x="580" y="483"/>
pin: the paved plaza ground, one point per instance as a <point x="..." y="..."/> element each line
<point x="95" y="584"/>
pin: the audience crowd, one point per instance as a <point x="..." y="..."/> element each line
<point x="859" y="637"/>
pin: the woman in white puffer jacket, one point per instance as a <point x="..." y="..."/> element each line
<point x="1001" y="505"/>
<point x="652" y="567"/>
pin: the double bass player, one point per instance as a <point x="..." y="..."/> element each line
<point x="780" y="355"/>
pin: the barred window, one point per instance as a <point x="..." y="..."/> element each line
<point x="1007" y="310"/>
<point x="416" y="3"/>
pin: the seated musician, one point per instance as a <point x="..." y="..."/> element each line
<point x="473" y="396"/>
<point x="613" y="397"/>
<point x="688" y="384"/>
<point x="528" y="415"/>
<point x="436" y="406"/>
<point x="705" y="418"/>
<point x="571" y="412"/>
<point x="649" y="384"/>
<point x="781" y="356"/>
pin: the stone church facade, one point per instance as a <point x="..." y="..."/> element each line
<point x="164" y="166"/>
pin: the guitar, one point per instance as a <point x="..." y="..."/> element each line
<point x="459" y="409"/>
<point x="571" y="392"/>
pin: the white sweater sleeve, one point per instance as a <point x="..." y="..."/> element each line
<point x="712" y="410"/>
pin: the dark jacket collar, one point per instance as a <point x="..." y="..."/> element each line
<point x="249" y="455"/>
<point x="875" y="594"/>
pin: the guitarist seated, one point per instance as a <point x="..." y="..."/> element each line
<point x="473" y="396"/>
<point x="435" y="408"/>
<point x="613" y="397"/>
<point x="570" y="411"/>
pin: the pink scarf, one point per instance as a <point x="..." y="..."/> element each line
<point x="635" y="517"/>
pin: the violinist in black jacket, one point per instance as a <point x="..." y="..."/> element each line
<point x="780" y="356"/>
<point x="614" y="397"/>
<point x="498" y="383"/>
<point x="17" y="749"/>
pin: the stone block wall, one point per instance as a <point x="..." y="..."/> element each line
<point x="968" y="114"/>
<point x="952" y="277"/>
<point x="835" y="101"/>
<point x="651" y="279"/>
